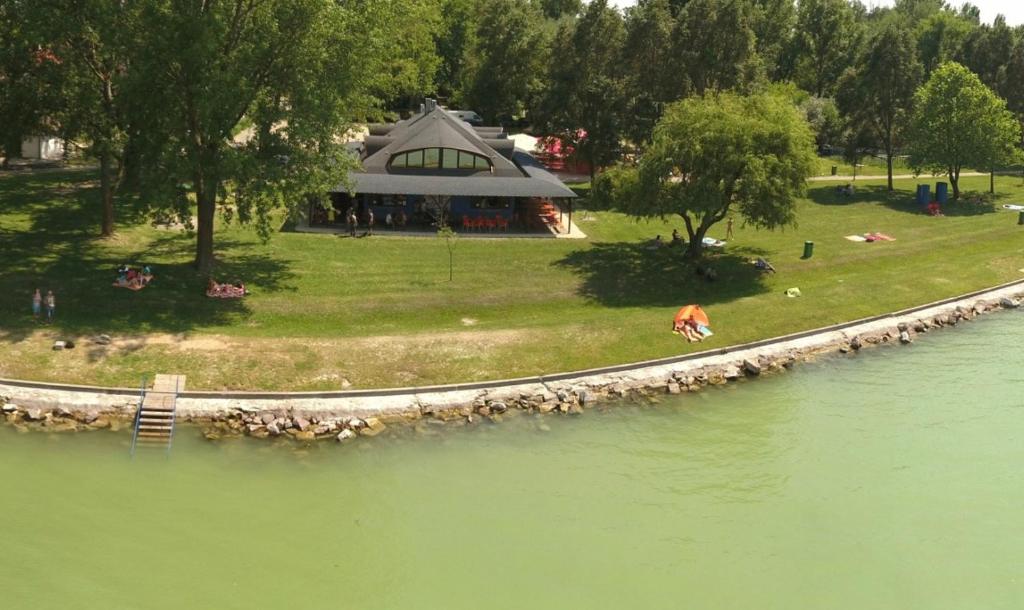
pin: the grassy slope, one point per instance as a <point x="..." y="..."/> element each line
<point x="380" y="311"/>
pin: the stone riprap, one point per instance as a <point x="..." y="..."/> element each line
<point x="345" y="417"/>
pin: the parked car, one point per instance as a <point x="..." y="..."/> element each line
<point x="468" y="116"/>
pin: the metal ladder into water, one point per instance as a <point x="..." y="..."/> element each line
<point x="154" y="420"/>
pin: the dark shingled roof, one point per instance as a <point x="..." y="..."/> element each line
<point x="513" y="174"/>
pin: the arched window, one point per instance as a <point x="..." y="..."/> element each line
<point x="440" y="158"/>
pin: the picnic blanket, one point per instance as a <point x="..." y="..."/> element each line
<point x="870" y="237"/>
<point x="710" y="242"/>
<point x="136" y="286"/>
<point x="1013" y="206"/>
<point x="226" y="291"/>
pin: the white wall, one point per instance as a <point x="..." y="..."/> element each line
<point x="42" y="147"/>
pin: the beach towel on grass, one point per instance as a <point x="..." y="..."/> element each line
<point x="855" y="238"/>
<point x="710" y="242"/>
<point x="1013" y="206"/>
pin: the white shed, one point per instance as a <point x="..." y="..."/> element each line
<point x="47" y="148"/>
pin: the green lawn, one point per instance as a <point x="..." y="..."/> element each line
<point x="870" y="166"/>
<point x="381" y="311"/>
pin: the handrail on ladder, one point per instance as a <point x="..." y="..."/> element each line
<point x="138" y="414"/>
<point x="174" y="414"/>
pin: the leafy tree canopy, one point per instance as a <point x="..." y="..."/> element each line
<point x="298" y="70"/>
<point x="717" y="155"/>
<point x="878" y="93"/>
<point x="959" y="122"/>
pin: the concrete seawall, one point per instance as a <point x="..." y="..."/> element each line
<point x="331" y="412"/>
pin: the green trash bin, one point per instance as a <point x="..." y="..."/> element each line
<point x="1020" y="218"/>
<point x="808" y="249"/>
<point x="835" y="170"/>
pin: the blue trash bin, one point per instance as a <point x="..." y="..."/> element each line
<point x="941" y="192"/>
<point x="924" y="196"/>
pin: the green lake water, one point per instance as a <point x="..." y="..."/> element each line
<point x="889" y="480"/>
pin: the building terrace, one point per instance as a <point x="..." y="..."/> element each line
<point x="434" y="170"/>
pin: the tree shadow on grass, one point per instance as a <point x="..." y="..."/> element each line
<point x="56" y="248"/>
<point x="862" y="194"/>
<point x="971" y="203"/>
<point x="624" y="274"/>
<point x="902" y="200"/>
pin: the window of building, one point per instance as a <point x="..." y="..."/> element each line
<point x="450" y="158"/>
<point x="440" y="158"/>
<point x="432" y="158"/>
<point x="492" y="203"/>
<point x="386" y="201"/>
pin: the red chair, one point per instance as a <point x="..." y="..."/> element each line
<point x="490" y="223"/>
<point x="502" y="223"/>
<point x="466" y="222"/>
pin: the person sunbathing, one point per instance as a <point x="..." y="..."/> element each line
<point x="225" y="291"/>
<point x="691" y="332"/>
<point x="764" y="265"/>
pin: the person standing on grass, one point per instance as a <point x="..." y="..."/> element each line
<point x="728" y="229"/>
<point x="37" y="304"/>
<point x="369" y="221"/>
<point x="353" y="222"/>
<point x="51" y="305"/>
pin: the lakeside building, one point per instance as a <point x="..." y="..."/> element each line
<point x="434" y="169"/>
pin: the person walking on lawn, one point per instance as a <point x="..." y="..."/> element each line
<point x="728" y="229"/>
<point x="369" y="221"/>
<point x="37" y="304"/>
<point x="51" y="305"/>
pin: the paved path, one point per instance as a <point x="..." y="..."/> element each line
<point x="882" y="177"/>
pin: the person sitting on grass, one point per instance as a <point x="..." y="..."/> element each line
<point x="656" y="243"/>
<point x="707" y="272"/>
<point x="677" y="239"/>
<point x="225" y="291"/>
<point x="763" y="265"/>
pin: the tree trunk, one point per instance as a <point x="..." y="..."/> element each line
<point x="992" y="181"/>
<point x="888" y="166"/>
<point x="107" y="194"/>
<point x="954" y="181"/>
<point x="131" y="173"/>
<point x="206" y="198"/>
<point x="12" y="149"/>
<point x="695" y="249"/>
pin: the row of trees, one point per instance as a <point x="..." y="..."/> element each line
<point x="573" y="69"/>
<point x="200" y="104"/>
<point x="238" y="104"/>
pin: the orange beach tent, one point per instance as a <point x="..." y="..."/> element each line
<point x="692" y="312"/>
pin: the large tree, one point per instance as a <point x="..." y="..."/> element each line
<point x="959" y="122"/>
<point x="454" y="38"/>
<point x="940" y="38"/>
<point x="824" y="44"/>
<point x="96" y="41"/>
<point x="652" y="78"/>
<point x="296" y="70"/>
<point x="30" y="79"/>
<point x="877" y="95"/>
<point x="717" y="155"/>
<point x="585" y="101"/>
<point x="506" y="61"/>
<point x="773" y="22"/>
<point x="715" y="45"/>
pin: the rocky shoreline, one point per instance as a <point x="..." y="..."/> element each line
<point x="343" y="419"/>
